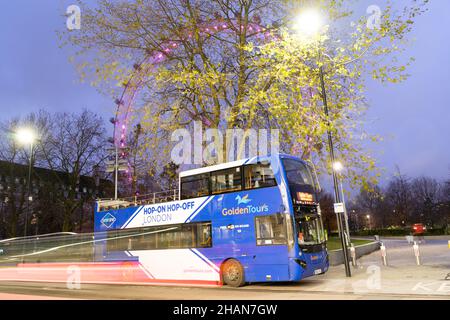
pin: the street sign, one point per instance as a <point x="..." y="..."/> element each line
<point x="339" y="207"/>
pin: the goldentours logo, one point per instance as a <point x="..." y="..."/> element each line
<point x="243" y="200"/>
<point x="247" y="209"/>
<point x="108" y="220"/>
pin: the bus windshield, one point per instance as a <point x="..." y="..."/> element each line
<point x="297" y="173"/>
<point x="310" y="230"/>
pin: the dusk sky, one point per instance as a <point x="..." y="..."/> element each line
<point x="413" y="116"/>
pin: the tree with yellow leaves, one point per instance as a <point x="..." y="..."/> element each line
<point x="242" y="64"/>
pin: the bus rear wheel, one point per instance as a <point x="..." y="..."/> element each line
<point x="233" y="273"/>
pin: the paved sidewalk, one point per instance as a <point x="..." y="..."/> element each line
<point x="402" y="276"/>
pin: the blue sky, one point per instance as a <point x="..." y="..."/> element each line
<point x="34" y="71"/>
<point x="413" y="116"/>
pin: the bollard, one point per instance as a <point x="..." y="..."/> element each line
<point x="416" y="252"/>
<point x="353" y="255"/>
<point x="449" y="244"/>
<point x="383" y="254"/>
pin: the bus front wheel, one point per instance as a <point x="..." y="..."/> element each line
<point x="233" y="273"/>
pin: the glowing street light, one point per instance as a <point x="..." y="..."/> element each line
<point x="25" y="136"/>
<point x="338" y="166"/>
<point x="308" y="23"/>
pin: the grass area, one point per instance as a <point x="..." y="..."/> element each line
<point x="335" y="243"/>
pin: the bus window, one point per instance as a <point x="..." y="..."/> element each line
<point x="259" y="176"/>
<point x="192" y="235"/>
<point x="297" y="173"/>
<point x="204" y="237"/>
<point x="226" y="180"/>
<point x="270" y="230"/>
<point x="121" y="240"/>
<point x="310" y="230"/>
<point x="195" y="186"/>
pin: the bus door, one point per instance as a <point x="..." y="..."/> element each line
<point x="271" y="250"/>
<point x="311" y="241"/>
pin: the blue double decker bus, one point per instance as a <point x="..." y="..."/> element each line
<point x="252" y="220"/>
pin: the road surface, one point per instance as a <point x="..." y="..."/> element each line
<point x="401" y="279"/>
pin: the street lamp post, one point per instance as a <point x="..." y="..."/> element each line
<point x="3" y="230"/>
<point x="309" y="23"/>
<point x="355" y="220"/>
<point x="27" y="136"/>
<point x="338" y="167"/>
<point x="30" y="166"/>
<point x="337" y="194"/>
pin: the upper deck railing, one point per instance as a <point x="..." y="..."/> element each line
<point x="151" y="198"/>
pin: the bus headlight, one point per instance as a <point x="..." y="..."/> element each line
<point x="302" y="263"/>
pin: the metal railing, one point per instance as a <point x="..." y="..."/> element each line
<point x="57" y="247"/>
<point x="151" y="198"/>
<point x="64" y="247"/>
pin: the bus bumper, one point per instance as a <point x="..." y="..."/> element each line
<point x="308" y="265"/>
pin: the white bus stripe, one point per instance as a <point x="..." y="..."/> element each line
<point x="146" y="271"/>
<point x="216" y="268"/>
<point x="132" y="217"/>
<point x="196" y="212"/>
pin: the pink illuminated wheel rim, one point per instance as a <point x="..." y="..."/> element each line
<point x="233" y="273"/>
<point x="142" y="70"/>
